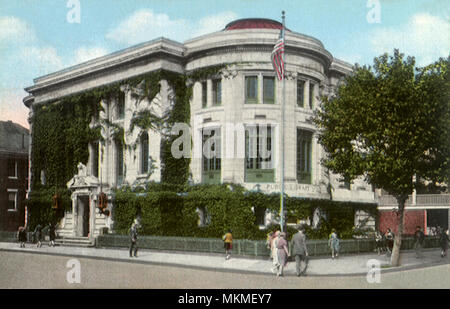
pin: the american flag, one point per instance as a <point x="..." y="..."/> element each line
<point x="277" y="56"/>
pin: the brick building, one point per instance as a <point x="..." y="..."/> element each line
<point x="428" y="211"/>
<point x="14" y="145"/>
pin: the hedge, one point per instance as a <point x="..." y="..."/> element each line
<point x="171" y="210"/>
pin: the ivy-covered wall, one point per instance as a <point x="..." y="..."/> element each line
<point x="171" y="211"/>
<point x="62" y="133"/>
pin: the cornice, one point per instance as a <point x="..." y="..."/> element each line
<point x="159" y="49"/>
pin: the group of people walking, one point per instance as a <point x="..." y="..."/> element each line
<point x="280" y="250"/>
<point x="37" y="236"/>
<point x="385" y="242"/>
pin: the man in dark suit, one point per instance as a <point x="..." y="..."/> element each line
<point x="133" y="238"/>
<point x="299" y="250"/>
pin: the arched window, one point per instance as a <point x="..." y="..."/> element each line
<point x="144" y="153"/>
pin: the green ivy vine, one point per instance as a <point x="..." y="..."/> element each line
<point x="62" y="131"/>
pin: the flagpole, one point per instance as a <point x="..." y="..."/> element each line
<point x="282" y="130"/>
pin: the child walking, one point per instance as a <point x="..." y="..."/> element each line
<point x="333" y="242"/>
<point x="228" y="243"/>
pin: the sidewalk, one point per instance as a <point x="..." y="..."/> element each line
<point x="345" y="265"/>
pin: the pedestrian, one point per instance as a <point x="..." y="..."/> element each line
<point x="299" y="250"/>
<point x="22" y="237"/>
<point x="274" y="251"/>
<point x="333" y="242"/>
<point x="133" y="239"/>
<point x="389" y="236"/>
<point x="379" y="242"/>
<point x="283" y="253"/>
<point x="228" y="243"/>
<point x="52" y="234"/>
<point x="443" y="241"/>
<point x="38" y="235"/>
<point x="419" y="238"/>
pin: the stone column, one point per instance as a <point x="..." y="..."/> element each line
<point x="232" y="104"/>
<point x="306" y="94"/>
<point x="290" y="127"/>
<point x="74" y="215"/>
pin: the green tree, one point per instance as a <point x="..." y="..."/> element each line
<point x="389" y="124"/>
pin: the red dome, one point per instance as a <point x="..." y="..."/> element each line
<point x="254" y="23"/>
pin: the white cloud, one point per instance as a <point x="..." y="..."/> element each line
<point x="15" y="29"/>
<point x="214" y="23"/>
<point x="424" y="36"/>
<point x="145" y="25"/>
<point x="43" y="59"/>
<point x="84" y="54"/>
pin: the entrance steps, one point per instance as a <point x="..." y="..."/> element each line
<point x="75" y="241"/>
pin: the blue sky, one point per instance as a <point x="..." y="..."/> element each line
<point x="36" y="37"/>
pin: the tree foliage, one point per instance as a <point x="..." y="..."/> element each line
<point x="389" y="122"/>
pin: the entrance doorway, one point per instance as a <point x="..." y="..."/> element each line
<point x="83" y="216"/>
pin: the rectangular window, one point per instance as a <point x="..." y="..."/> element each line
<point x="345" y="183"/>
<point x="260" y="215"/>
<point x="268" y="90"/>
<point x="144" y="153"/>
<point x="212" y="162"/>
<point x="121" y="106"/>
<point x="304" y="154"/>
<point x="259" y="154"/>
<point x="217" y="91"/>
<point x="251" y="89"/>
<point x="12" y="168"/>
<point x="95" y="159"/>
<point x="204" y="95"/>
<point x="119" y="162"/>
<point x="311" y="95"/>
<point x="12" y="200"/>
<point x="301" y="93"/>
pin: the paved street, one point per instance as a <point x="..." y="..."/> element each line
<point x="27" y="269"/>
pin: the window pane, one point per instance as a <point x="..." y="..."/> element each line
<point x="304" y="155"/>
<point x="251" y="86"/>
<point x="258" y="147"/>
<point x="211" y="156"/>
<point x="144" y="153"/>
<point x="121" y="106"/>
<point x="204" y="94"/>
<point x="217" y="92"/>
<point x="95" y="159"/>
<point x="211" y="153"/>
<point x="269" y="90"/>
<point x="300" y="93"/>
<point x="12" y="200"/>
<point x="119" y="163"/>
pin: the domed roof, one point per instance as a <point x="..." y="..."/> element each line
<point x="254" y="23"/>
